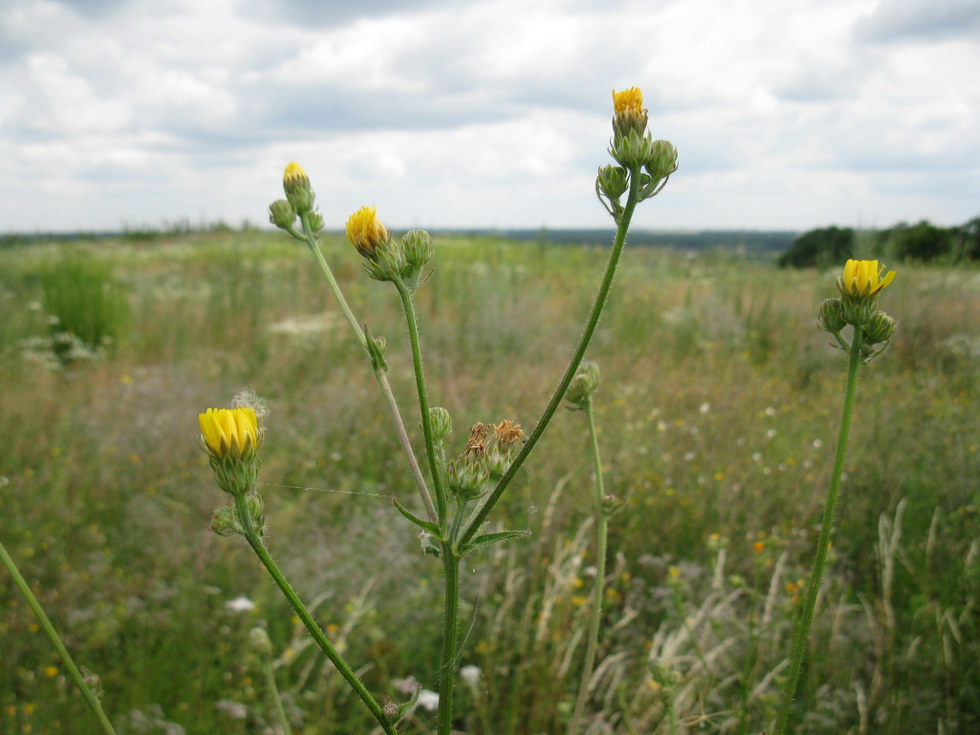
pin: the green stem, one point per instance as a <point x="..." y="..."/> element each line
<point x="314" y="245"/>
<point x="310" y="238"/>
<point x="76" y="674"/>
<point x="430" y="449"/>
<point x="590" y="326"/>
<point x="336" y="659"/>
<point x="823" y="541"/>
<point x="598" y="590"/>
<point x="270" y="679"/>
<point x="450" y="639"/>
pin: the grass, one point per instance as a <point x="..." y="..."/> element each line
<point x="717" y="418"/>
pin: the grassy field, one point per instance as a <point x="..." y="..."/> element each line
<point x="718" y="415"/>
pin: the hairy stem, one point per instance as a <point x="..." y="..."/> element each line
<point x="59" y="646"/>
<point x="802" y="632"/>
<point x="270" y="680"/>
<point x="450" y="639"/>
<point x="598" y="589"/>
<point x="590" y="326"/>
<point x="380" y="375"/>
<point x="336" y="659"/>
<point x="430" y="449"/>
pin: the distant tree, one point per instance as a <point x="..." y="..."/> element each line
<point x="922" y="242"/>
<point x="967" y="240"/>
<point x="821" y="247"/>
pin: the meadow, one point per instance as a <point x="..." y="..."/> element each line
<point x="717" y="415"/>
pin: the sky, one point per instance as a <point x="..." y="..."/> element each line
<point x="787" y="114"/>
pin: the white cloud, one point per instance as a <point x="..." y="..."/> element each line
<point x="786" y="115"/>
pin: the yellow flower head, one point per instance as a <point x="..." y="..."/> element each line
<point x="294" y="175"/>
<point x="629" y="100"/>
<point x="365" y="231"/>
<point x="230" y="431"/>
<point x="630" y="115"/>
<point x="299" y="192"/>
<point x="864" y="278"/>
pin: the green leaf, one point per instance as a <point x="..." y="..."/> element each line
<point x="486" y="539"/>
<point x="425" y="525"/>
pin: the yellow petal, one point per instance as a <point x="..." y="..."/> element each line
<point x="210" y="429"/>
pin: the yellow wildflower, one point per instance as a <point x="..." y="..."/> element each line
<point x="864" y="278"/>
<point x="365" y="231"/>
<point x="630" y="116"/>
<point x="230" y="431"/>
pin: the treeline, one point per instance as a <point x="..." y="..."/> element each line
<point x="923" y="242"/>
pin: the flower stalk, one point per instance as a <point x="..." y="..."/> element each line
<point x="90" y="697"/>
<point x="591" y="323"/>
<point x="255" y="541"/>
<point x="602" y="513"/>
<point x="860" y="285"/>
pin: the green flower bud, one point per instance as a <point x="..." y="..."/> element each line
<point x="663" y="160"/>
<point x="879" y="328"/>
<point x="224" y="522"/>
<point x="259" y="640"/>
<point x="282" y="214"/>
<point x="441" y="423"/>
<point x="583" y="385"/>
<point x="417" y="245"/>
<point x="831" y="316"/>
<point x="613" y="181"/>
<point x="298" y="190"/>
<point x="316" y="222"/>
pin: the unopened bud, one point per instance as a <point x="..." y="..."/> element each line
<point x="390" y="711"/>
<point x="298" y="190"/>
<point x="224" y="523"/>
<point x="282" y="214"/>
<point x="441" y="423"/>
<point x="583" y="385"/>
<point x="831" y="316"/>
<point x="417" y="245"/>
<point x="612" y="181"/>
<point x="259" y="640"/>
<point x="879" y="328"/>
<point x="663" y="159"/>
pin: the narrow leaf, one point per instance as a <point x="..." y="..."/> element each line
<point x="426" y="525"/>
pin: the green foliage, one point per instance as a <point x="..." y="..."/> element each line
<point x="86" y="306"/>
<point x="822" y="248"/>
<point x="718" y="410"/>
<point x="922" y="242"/>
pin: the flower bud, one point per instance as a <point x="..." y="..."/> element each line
<point x="612" y="181"/>
<point x="583" y="385"/>
<point x="316" y="222"/>
<point x="231" y="437"/>
<point x="831" y="316"/>
<point x="663" y="159"/>
<point x="879" y="328"/>
<point x="259" y="640"/>
<point x="630" y="114"/>
<point x="441" y="423"/>
<point x="366" y="233"/>
<point x="282" y="214"/>
<point x="224" y="522"/>
<point x="298" y="190"/>
<point x="467" y="476"/>
<point x="417" y="245"/>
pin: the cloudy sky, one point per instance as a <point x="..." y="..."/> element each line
<point x="787" y="114"/>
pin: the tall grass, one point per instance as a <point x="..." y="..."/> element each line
<point x="717" y="416"/>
